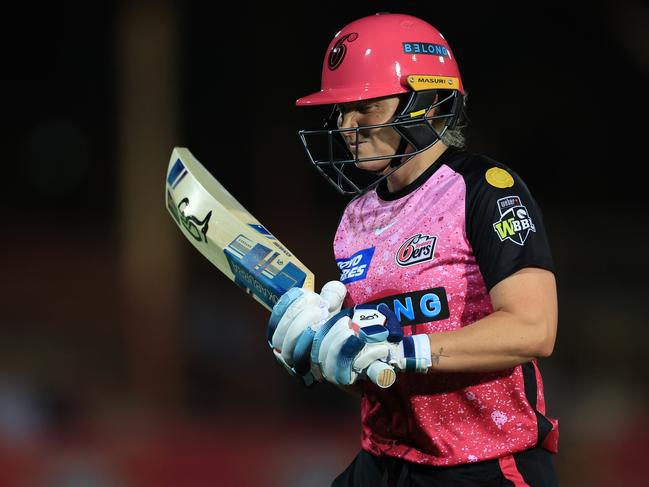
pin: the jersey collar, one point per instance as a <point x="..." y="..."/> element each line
<point x="382" y="188"/>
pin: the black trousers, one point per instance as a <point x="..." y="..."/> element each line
<point x="531" y="468"/>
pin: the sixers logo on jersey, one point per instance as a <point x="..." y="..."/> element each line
<point x="355" y="268"/>
<point x="417" y="249"/>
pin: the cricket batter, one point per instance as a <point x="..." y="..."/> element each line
<point x="446" y="274"/>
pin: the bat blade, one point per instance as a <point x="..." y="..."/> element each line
<point x="235" y="242"/>
<point x="227" y="234"/>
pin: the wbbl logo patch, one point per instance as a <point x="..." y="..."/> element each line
<point x="515" y="223"/>
<point x="355" y="267"/>
<point x="417" y="249"/>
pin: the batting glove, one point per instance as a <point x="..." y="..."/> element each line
<point x="295" y="318"/>
<point x="350" y="341"/>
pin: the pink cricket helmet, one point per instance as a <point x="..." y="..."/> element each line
<point x="374" y="56"/>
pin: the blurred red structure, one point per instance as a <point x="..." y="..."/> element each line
<point x="240" y="453"/>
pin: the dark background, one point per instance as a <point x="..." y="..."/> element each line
<point x="127" y="359"/>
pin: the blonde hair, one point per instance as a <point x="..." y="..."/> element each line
<point x="455" y="137"/>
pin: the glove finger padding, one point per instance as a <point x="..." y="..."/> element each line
<point x="392" y="323"/>
<point x="369" y="354"/>
<point x="308" y="316"/>
<point x="302" y="351"/>
<point x="280" y="308"/>
<point x="329" y="354"/>
<point x="346" y="347"/>
<point x="350" y="356"/>
<point x="322" y="333"/>
<point x="306" y="300"/>
<point x="293" y="323"/>
<point x="291" y="304"/>
<point x="281" y="360"/>
<point x="334" y="292"/>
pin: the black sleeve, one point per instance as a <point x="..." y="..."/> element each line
<point x="503" y="222"/>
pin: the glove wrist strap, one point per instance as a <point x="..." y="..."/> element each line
<point x="415" y="351"/>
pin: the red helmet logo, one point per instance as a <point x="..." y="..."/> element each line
<point x="339" y="50"/>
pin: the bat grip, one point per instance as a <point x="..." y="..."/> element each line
<point x="382" y="374"/>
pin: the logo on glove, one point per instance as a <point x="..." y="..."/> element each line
<point x="368" y="317"/>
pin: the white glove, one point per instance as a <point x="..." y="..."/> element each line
<point x="299" y="311"/>
<point x="346" y="345"/>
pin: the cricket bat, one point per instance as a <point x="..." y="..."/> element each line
<point x="236" y="242"/>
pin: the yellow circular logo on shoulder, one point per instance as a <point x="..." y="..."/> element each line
<point x="499" y="178"/>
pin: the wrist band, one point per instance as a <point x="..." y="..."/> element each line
<point x="416" y="353"/>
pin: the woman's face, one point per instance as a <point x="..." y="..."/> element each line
<point x="370" y="142"/>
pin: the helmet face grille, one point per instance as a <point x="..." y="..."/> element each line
<point x="328" y="153"/>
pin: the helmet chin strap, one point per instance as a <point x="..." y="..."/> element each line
<point x="415" y="102"/>
<point x="417" y="134"/>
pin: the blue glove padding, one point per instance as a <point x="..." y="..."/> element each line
<point x="350" y="341"/>
<point x="294" y="318"/>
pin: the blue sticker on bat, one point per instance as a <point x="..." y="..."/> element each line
<point x="176" y="174"/>
<point x="261" y="271"/>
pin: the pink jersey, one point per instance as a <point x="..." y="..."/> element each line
<point x="431" y="252"/>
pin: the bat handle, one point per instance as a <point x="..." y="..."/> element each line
<point x="382" y="374"/>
